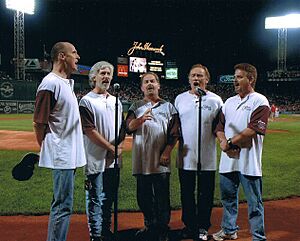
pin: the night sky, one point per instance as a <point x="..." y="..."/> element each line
<point x="215" y="33"/>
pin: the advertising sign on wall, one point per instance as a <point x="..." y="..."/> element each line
<point x="122" y="70"/>
<point x="8" y="107"/>
<point x="26" y="107"/>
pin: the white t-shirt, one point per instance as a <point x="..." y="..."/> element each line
<point x="239" y="113"/>
<point x="62" y="147"/>
<point x="102" y="108"/>
<point x="187" y="105"/>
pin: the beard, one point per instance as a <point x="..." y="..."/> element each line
<point x="102" y="86"/>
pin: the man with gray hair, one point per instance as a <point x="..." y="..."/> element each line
<point x="97" y="110"/>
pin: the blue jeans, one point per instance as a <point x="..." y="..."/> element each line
<point x="111" y="183"/>
<point x="94" y="200"/>
<point x="252" y="186"/>
<point x="62" y="204"/>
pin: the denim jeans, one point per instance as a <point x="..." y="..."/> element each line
<point x="110" y="186"/>
<point x="252" y="186"/>
<point x="153" y="197"/>
<point x="62" y="204"/>
<point x="94" y="199"/>
<point x="196" y="216"/>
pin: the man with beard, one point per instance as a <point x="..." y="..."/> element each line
<point x="97" y="110"/>
<point x="155" y="126"/>
<point x="196" y="209"/>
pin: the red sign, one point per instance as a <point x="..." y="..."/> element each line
<point x="122" y="70"/>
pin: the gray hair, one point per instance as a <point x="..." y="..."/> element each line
<point x="95" y="70"/>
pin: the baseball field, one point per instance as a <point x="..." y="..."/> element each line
<point x="281" y="178"/>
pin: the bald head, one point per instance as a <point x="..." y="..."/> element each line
<point x="59" y="47"/>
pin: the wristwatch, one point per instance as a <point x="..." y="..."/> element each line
<point x="230" y="144"/>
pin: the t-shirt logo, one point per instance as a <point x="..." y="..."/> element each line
<point x="246" y="108"/>
<point x="261" y="125"/>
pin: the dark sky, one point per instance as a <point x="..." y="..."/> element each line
<point x="215" y="33"/>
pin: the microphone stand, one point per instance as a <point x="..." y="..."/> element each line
<point x="200" y="93"/>
<point x="116" y="165"/>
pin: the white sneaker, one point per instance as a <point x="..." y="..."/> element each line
<point x="203" y="234"/>
<point x="222" y="236"/>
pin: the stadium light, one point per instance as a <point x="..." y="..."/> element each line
<point x="287" y="21"/>
<point x="25" y="6"/>
<point x="20" y="7"/>
<point x="282" y="23"/>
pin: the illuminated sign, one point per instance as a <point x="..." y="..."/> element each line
<point x="155" y="66"/>
<point x="226" y="78"/>
<point x="155" y="69"/>
<point x="82" y="69"/>
<point x="145" y="47"/>
<point x="171" y="73"/>
<point x="122" y="70"/>
<point x="137" y="65"/>
<point x="32" y="64"/>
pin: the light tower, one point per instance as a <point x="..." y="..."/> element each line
<point x="282" y="23"/>
<point x="20" y="7"/>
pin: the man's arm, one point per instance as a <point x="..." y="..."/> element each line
<point x="89" y="129"/>
<point x="173" y="136"/>
<point x="40" y="132"/>
<point x="98" y="139"/>
<point x="133" y="123"/>
<point x="244" y="139"/>
<point x="257" y="125"/>
<point x="44" y="104"/>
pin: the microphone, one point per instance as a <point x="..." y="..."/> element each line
<point x="116" y="87"/>
<point x="200" y="91"/>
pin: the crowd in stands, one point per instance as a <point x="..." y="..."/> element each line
<point x="130" y="91"/>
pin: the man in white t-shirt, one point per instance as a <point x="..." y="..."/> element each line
<point x="241" y="130"/>
<point x="196" y="213"/>
<point x="97" y="110"/>
<point x="58" y="131"/>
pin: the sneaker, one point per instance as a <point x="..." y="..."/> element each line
<point x="203" y="234"/>
<point x="223" y="236"/>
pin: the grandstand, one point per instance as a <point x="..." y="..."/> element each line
<point x="14" y="95"/>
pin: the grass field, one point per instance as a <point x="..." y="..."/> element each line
<point x="281" y="172"/>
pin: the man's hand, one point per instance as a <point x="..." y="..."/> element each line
<point x="111" y="151"/>
<point x="223" y="145"/>
<point x="234" y="153"/>
<point x="231" y="152"/>
<point x="146" y="116"/>
<point x="165" y="157"/>
<point x="39" y="130"/>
